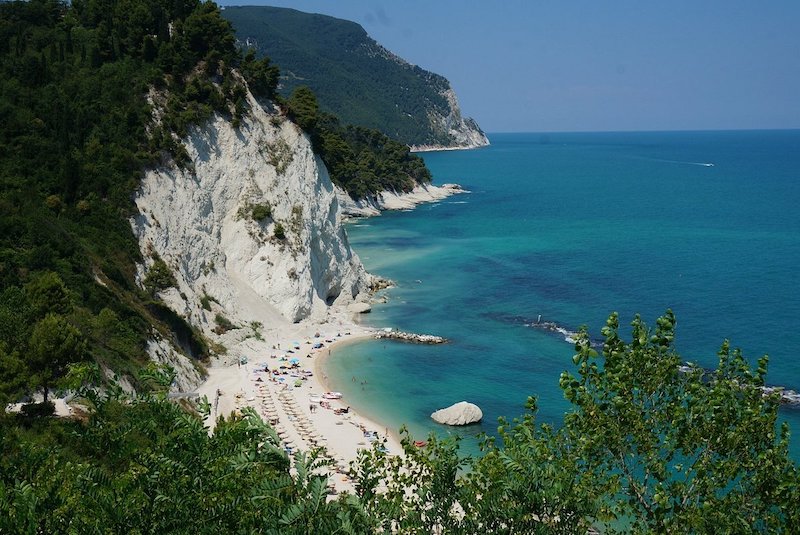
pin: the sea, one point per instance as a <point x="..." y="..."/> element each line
<point x="566" y="228"/>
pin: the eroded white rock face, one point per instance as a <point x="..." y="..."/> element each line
<point x="200" y="222"/>
<point x="463" y="131"/>
<point x="373" y="205"/>
<point x="187" y="376"/>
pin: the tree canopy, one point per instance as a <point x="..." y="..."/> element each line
<point x="360" y="160"/>
<point x="54" y="344"/>
<point x="78" y="131"/>
<point x="353" y="77"/>
<point x="649" y="447"/>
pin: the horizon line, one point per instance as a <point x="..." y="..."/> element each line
<point x="643" y="131"/>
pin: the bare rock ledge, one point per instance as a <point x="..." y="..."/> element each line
<point x="409" y="337"/>
<point x="359" y="308"/>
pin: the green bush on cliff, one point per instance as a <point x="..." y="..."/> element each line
<point x="159" y="277"/>
<point x="360" y="160"/>
<point x="260" y="212"/>
<point x="279" y="232"/>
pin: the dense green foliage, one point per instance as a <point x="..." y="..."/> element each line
<point x="353" y="77"/>
<point x="364" y="161"/>
<point x="360" y="160"/>
<point x="647" y="448"/>
<point x="681" y="449"/>
<point x="145" y="465"/>
<point x="77" y="133"/>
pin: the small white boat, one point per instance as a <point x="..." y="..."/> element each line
<point x="332" y="395"/>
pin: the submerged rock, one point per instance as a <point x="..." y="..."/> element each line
<point x="409" y="337"/>
<point x="461" y="413"/>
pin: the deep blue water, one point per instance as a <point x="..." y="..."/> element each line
<point x="573" y="227"/>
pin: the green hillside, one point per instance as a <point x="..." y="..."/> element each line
<point x="353" y="76"/>
<point x="77" y="133"/>
<point x="76" y="136"/>
<point x="645" y="448"/>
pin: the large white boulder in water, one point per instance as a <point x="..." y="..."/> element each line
<point x="462" y="413"/>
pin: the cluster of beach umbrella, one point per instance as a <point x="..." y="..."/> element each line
<point x="293" y="427"/>
<point x="306" y="429"/>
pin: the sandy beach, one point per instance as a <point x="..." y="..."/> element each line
<point x="281" y="377"/>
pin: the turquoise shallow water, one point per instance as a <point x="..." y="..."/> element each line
<point x="573" y="227"/>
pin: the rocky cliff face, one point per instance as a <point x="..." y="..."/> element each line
<point x="250" y="229"/>
<point x="373" y="205"/>
<point x="462" y="132"/>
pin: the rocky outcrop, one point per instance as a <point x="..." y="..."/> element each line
<point x="250" y="228"/>
<point x="461" y="132"/>
<point x="787" y="397"/>
<point x="187" y="376"/>
<point x="388" y="334"/>
<point x="359" y="308"/>
<point x="373" y="205"/>
<point x="461" y="413"/>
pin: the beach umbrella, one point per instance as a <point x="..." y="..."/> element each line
<point x="294" y="360"/>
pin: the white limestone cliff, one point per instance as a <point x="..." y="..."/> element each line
<point x="228" y="264"/>
<point x="373" y="205"/>
<point x="463" y="132"/>
<point x="187" y="375"/>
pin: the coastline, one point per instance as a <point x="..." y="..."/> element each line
<point x="286" y="400"/>
<point x="373" y="205"/>
<point x="281" y="374"/>
<point x="414" y="149"/>
<point x="319" y="371"/>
